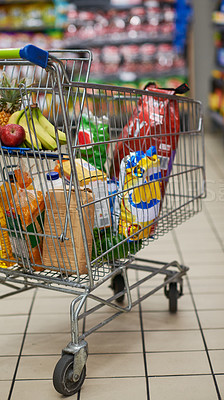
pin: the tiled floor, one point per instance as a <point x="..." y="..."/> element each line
<point x="145" y="354"/>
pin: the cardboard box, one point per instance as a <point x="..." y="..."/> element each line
<point x="61" y="254"/>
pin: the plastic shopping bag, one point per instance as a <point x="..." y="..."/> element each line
<point x="154" y="122"/>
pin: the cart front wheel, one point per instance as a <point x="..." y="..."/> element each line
<point x="173" y="296"/>
<point x="63" y="376"/>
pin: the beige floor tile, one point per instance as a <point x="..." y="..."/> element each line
<point x="214" y="338"/>
<point x="212" y="269"/>
<point x="180" y="363"/>
<point x="158" y="302"/>
<point x="43" y="344"/>
<point x="8" y="365"/>
<point x="199" y="246"/>
<point x="37" y="390"/>
<point x="4" y="389"/>
<point x="204" y="257"/>
<point x="53" y="305"/>
<point x="207" y="285"/>
<point x="49" y="323"/>
<point x="209" y="301"/>
<point x="173" y="341"/>
<point x="166" y="321"/>
<point x="10" y="344"/>
<point x="212" y="319"/>
<point x="160" y="255"/>
<point x="220" y="381"/>
<point x="111" y="389"/>
<point x="15" y="324"/>
<point x="124" y="322"/>
<point x="115" y="342"/>
<point x="18" y="305"/>
<point x="115" y="365"/>
<point x="217" y="359"/>
<point x="26" y="294"/>
<point x="183" y="387"/>
<point x="36" y="367"/>
<point x="158" y="246"/>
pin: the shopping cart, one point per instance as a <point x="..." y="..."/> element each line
<point x="115" y="192"/>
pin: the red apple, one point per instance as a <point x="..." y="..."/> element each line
<point x="12" y="135"/>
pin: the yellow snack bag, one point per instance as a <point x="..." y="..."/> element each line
<point x="140" y="203"/>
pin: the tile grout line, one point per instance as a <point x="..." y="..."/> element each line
<point x="22" y="345"/>
<point x="197" y="316"/>
<point x="143" y="344"/>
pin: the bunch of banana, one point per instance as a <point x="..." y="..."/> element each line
<point x="40" y="133"/>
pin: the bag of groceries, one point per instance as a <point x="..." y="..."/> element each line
<point x="154" y="122"/>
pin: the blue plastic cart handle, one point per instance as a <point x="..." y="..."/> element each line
<point x="30" y="53"/>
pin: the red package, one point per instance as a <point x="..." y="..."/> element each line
<point x="154" y="122"/>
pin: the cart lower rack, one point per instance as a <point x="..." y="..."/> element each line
<point x="103" y="172"/>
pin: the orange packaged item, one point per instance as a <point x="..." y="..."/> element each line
<point x="22" y="175"/>
<point x="24" y="219"/>
<point x="5" y="245"/>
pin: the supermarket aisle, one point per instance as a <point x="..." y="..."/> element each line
<point x="147" y="354"/>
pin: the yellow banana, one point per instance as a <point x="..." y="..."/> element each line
<point x="48" y="127"/>
<point x="30" y="139"/>
<point x="15" y="117"/>
<point x="47" y="141"/>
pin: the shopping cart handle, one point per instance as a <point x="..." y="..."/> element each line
<point x="30" y="53"/>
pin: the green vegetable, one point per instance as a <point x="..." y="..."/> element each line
<point x="105" y="240"/>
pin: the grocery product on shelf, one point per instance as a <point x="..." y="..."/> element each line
<point x="27" y="16"/>
<point x="216" y="95"/>
<point x="131" y="40"/>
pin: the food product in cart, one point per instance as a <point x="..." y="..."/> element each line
<point x="10" y="97"/>
<point x="93" y="130"/>
<point x="105" y="240"/>
<point x="25" y="213"/>
<point x="95" y="180"/>
<point x="60" y="254"/>
<point x="45" y="131"/>
<point x="5" y="245"/>
<point x="154" y="122"/>
<point x="139" y="182"/>
<point x="12" y="135"/>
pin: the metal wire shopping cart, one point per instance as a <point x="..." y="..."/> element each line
<point x="73" y="218"/>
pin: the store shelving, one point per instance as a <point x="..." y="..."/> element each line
<point x="217" y="118"/>
<point x="30" y="21"/>
<point x="132" y="42"/>
<point x="216" y="96"/>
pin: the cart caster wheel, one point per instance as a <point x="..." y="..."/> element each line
<point x="173" y="296"/>
<point x="117" y="285"/>
<point x="63" y="376"/>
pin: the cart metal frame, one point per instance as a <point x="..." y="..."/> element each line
<point x="186" y="189"/>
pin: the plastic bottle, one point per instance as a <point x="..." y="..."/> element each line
<point x="54" y="181"/>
